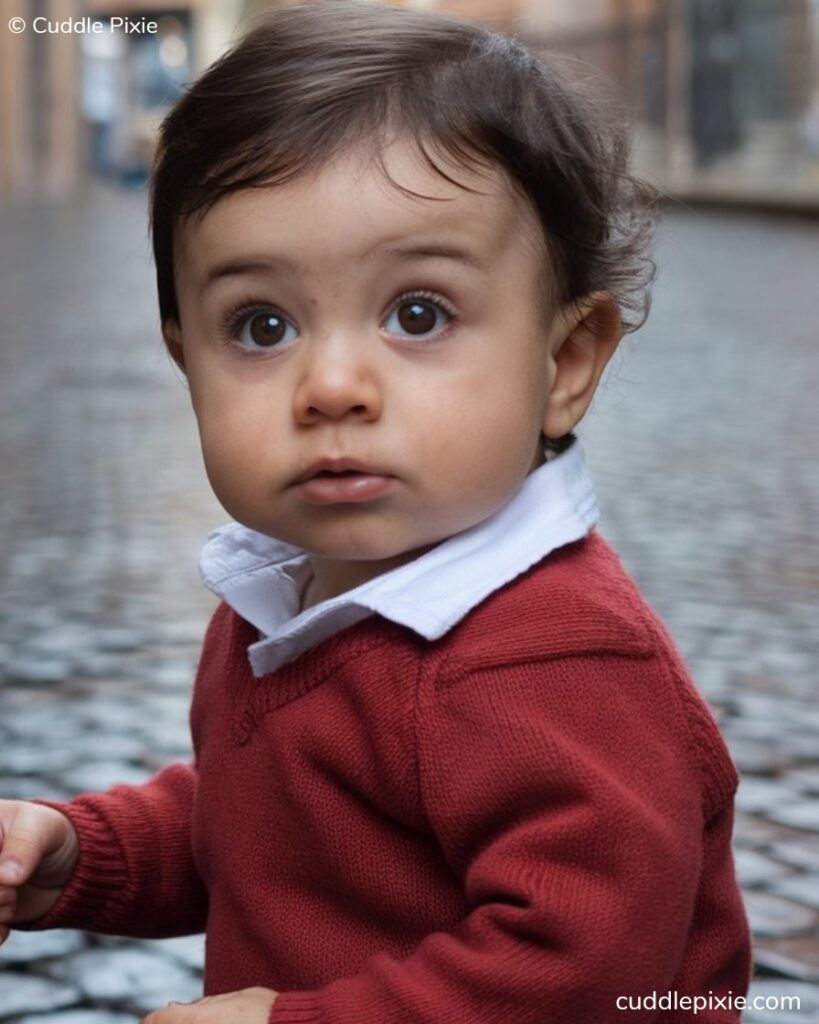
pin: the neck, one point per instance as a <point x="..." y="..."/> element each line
<point x="332" y="577"/>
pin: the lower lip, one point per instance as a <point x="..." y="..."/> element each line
<point x="324" y="490"/>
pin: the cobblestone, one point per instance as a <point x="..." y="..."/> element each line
<point x="139" y="976"/>
<point x="774" y="917"/>
<point x="26" y="993"/>
<point x="84" y="1016"/>
<point x="802" y="888"/>
<point x="794" y="958"/>
<point x="23" y="947"/>
<point x="802" y="815"/>
<point x="756" y="869"/>
<point x="702" y="443"/>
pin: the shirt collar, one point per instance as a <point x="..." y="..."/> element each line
<point x="262" y="578"/>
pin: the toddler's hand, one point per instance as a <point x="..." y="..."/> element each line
<point x="38" y="854"/>
<point x="250" y="1006"/>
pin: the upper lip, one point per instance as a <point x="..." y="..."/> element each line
<point x="337" y="466"/>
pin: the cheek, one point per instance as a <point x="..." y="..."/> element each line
<point x="226" y="403"/>
<point x="236" y="429"/>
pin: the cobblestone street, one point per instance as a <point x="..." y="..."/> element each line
<point x="703" y="443"/>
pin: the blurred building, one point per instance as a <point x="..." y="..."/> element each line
<point x="724" y="93"/>
<point x="71" y="103"/>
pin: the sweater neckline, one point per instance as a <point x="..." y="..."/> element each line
<point x="262" y="578"/>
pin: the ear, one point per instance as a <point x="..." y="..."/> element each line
<point x="172" y="333"/>
<point x="584" y="338"/>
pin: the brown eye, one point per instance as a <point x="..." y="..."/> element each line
<point x="263" y="329"/>
<point x="267" y="329"/>
<point x="417" y="317"/>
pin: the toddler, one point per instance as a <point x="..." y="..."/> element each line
<point x="448" y="766"/>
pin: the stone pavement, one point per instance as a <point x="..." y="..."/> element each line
<point x="702" y="442"/>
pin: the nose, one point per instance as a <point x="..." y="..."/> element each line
<point x="337" y="382"/>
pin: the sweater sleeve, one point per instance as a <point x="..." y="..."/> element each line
<point x="568" y="797"/>
<point x="135" y="874"/>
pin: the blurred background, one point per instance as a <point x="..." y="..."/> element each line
<point x="702" y="438"/>
<point x="724" y="92"/>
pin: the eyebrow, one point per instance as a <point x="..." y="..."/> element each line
<point x="289" y="267"/>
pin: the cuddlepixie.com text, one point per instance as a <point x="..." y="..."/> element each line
<point x="706" y="1004"/>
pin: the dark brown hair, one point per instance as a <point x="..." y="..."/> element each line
<point x="313" y="79"/>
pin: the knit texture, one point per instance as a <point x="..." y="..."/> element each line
<point x="518" y="822"/>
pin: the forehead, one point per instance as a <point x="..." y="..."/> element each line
<point x="351" y="208"/>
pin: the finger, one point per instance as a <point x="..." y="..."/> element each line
<point x="25" y="841"/>
<point x="4" y="933"/>
<point x="33" y="903"/>
<point x="167" y="1015"/>
<point x="8" y="903"/>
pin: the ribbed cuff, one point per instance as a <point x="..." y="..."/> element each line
<point x="98" y="877"/>
<point x="296" y="1008"/>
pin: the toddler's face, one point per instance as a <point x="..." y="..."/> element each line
<point x="334" y="317"/>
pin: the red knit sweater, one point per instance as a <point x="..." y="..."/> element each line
<point x="517" y="823"/>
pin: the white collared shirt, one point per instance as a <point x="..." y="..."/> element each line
<point x="263" y="579"/>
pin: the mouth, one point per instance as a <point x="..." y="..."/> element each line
<point x="331" y="481"/>
<point x="338" y="469"/>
